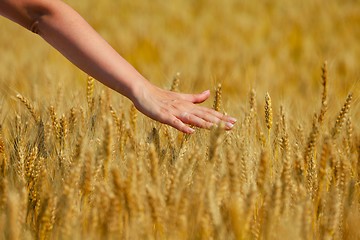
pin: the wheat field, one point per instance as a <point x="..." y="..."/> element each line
<point x="77" y="161"/>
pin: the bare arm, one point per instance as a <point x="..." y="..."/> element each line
<point x="64" y="29"/>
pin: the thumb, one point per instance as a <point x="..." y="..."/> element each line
<point x="197" y="98"/>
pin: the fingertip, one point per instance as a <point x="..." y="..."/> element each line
<point x="199" y="98"/>
<point x="229" y="119"/>
<point x="206" y="92"/>
<point x="179" y="125"/>
<point x="229" y="126"/>
<point x="232" y="120"/>
<point x="190" y="130"/>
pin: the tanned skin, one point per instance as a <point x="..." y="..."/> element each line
<point x="64" y="29"/>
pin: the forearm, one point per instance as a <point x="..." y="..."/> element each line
<point x="70" y="34"/>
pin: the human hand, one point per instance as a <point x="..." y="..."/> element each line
<point x="178" y="109"/>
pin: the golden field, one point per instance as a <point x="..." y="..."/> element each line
<point x="77" y="161"/>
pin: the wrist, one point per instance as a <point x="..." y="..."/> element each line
<point x="136" y="89"/>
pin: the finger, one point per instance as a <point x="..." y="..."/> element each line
<point x="229" y="119"/>
<point x="215" y="120"/>
<point x="207" y="116"/>
<point x="178" y="124"/>
<point x="202" y="111"/>
<point x="215" y="117"/>
<point x="196" y="98"/>
<point x="195" y="120"/>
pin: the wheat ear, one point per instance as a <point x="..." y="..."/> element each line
<point x="341" y="117"/>
<point x="30" y="107"/>
<point x="90" y="92"/>
<point x="217" y="100"/>
<point x="175" y="83"/>
<point x="268" y="114"/>
<point x="324" y="100"/>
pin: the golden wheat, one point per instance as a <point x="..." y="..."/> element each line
<point x="81" y="163"/>
<point x="268" y="112"/>
<point x="217" y="99"/>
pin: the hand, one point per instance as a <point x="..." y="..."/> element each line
<point x="64" y="29"/>
<point x="177" y="109"/>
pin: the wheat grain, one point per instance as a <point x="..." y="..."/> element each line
<point x="262" y="171"/>
<point x="3" y="160"/>
<point x="268" y="112"/>
<point x="323" y="162"/>
<point x="175" y="83"/>
<point x="30" y="107"/>
<point x="309" y="156"/>
<point x="72" y="120"/>
<point x="357" y="167"/>
<point x="349" y="134"/>
<point x="243" y="171"/>
<point x="252" y="101"/>
<point x="133" y="119"/>
<point x="90" y="92"/>
<point x="154" y="166"/>
<point x="324" y="98"/>
<point x="4" y="191"/>
<point x="54" y="120"/>
<point x="41" y="144"/>
<point x="107" y="149"/>
<point x="341" y="117"/>
<point x="286" y="177"/>
<point x="171" y="145"/>
<point x="217" y="100"/>
<point x="2" y="144"/>
<point x="63" y="131"/>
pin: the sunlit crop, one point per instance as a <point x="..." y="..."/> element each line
<point x="78" y="161"/>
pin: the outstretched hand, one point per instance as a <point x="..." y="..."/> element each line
<point x="64" y="29"/>
<point x="179" y="110"/>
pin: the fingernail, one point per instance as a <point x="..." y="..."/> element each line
<point x="229" y="125"/>
<point x="233" y="120"/>
<point x="191" y="130"/>
<point x="206" y="91"/>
